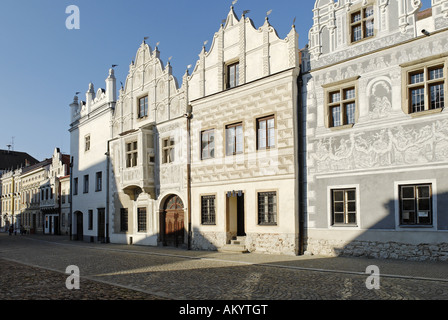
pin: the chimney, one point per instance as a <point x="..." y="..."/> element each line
<point x="111" y="87"/>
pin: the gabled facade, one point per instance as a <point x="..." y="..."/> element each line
<point x="51" y="191"/>
<point x="148" y="154"/>
<point x="165" y="183"/>
<point x="375" y="78"/>
<point x="244" y="170"/>
<point x="90" y="132"/>
<point x="32" y="195"/>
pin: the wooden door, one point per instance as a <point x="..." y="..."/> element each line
<point x="173" y="228"/>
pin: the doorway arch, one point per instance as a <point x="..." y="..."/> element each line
<point x="172" y="217"/>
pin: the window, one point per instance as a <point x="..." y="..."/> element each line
<point x="232" y="75"/>
<point x="90" y="226"/>
<point x="143" y="107"/>
<point x="208" y="144"/>
<point x="167" y="150"/>
<point x="416" y="205"/>
<point x="343" y="204"/>
<point x="425" y="88"/>
<point x="86" y="184"/>
<point x="266" y="133"/>
<point x="234" y="139"/>
<point x="75" y="186"/>
<point x="124" y="220"/>
<point x="131" y="154"/>
<point x="362" y="24"/>
<point x="267" y="208"/>
<point x="342" y="106"/>
<point x="208" y="210"/>
<point x="141" y="219"/>
<point x="87" y="143"/>
<point x="99" y="181"/>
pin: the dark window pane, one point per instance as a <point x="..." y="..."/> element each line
<point x="408" y="192"/>
<point x="408" y="205"/>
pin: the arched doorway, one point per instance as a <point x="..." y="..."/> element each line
<point x="172" y="222"/>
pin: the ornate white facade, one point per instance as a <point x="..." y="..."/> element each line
<point x="347" y="136"/>
<point x="157" y="178"/>
<point x="396" y="140"/>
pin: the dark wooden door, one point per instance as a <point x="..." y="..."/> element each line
<point x="173" y="228"/>
<point x="241" y="230"/>
<point x="101" y="225"/>
<point x="79" y="227"/>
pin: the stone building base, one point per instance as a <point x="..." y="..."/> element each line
<point x="272" y="243"/>
<point x="255" y="242"/>
<point x="377" y="249"/>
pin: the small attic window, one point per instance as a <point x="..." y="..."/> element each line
<point x="232" y="75"/>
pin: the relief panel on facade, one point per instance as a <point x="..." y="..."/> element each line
<point x="398" y="146"/>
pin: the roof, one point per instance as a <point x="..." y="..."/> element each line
<point x="38" y="165"/>
<point x="15" y="159"/>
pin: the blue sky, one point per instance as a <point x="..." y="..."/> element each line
<point x="43" y="64"/>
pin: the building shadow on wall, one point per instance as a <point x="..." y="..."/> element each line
<point x="404" y="233"/>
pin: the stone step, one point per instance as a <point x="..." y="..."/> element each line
<point x="236" y="248"/>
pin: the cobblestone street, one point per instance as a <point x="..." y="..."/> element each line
<point x="33" y="268"/>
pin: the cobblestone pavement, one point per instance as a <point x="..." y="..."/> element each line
<point x="33" y="267"/>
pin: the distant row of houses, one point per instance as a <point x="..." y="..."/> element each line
<point x="35" y="194"/>
<point x="340" y="147"/>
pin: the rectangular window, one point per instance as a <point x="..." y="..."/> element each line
<point x="143" y="107"/>
<point x="123" y="219"/>
<point x="90" y="226"/>
<point x="168" y="150"/>
<point x="99" y="181"/>
<point x="141" y="219"/>
<point x="342" y="106"/>
<point x="208" y="144"/>
<point x="426" y="88"/>
<point x="87" y="143"/>
<point x="75" y="186"/>
<point x="208" y="210"/>
<point x="343" y="206"/>
<point x="362" y="24"/>
<point x="131" y="154"/>
<point x="233" y="75"/>
<point x="266" y="133"/>
<point x="416" y="205"/>
<point x="234" y="139"/>
<point x="86" y="184"/>
<point x="267" y="208"/>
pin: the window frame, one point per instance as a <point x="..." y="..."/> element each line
<point x="424" y="67"/>
<point x="87" y="141"/>
<point x="124" y="220"/>
<point x="416" y="199"/>
<point x="341" y="87"/>
<point x="142" y="225"/>
<point x="267" y="145"/>
<point x="144" y="114"/>
<point x="272" y="218"/>
<point x="86" y="184"/>
<point x="131" y="154"/>
<point x="232" y="82"/>
<point x="98" y="181"/>
<point x="210" y="133"/>
<point x="75" y="186"/>
<point x="346" y="212"/>
<point x="362" y="22"/>
<point x="209" y="217"/>
<point x="234" y="127"/>
<point x="168" y="149"/>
